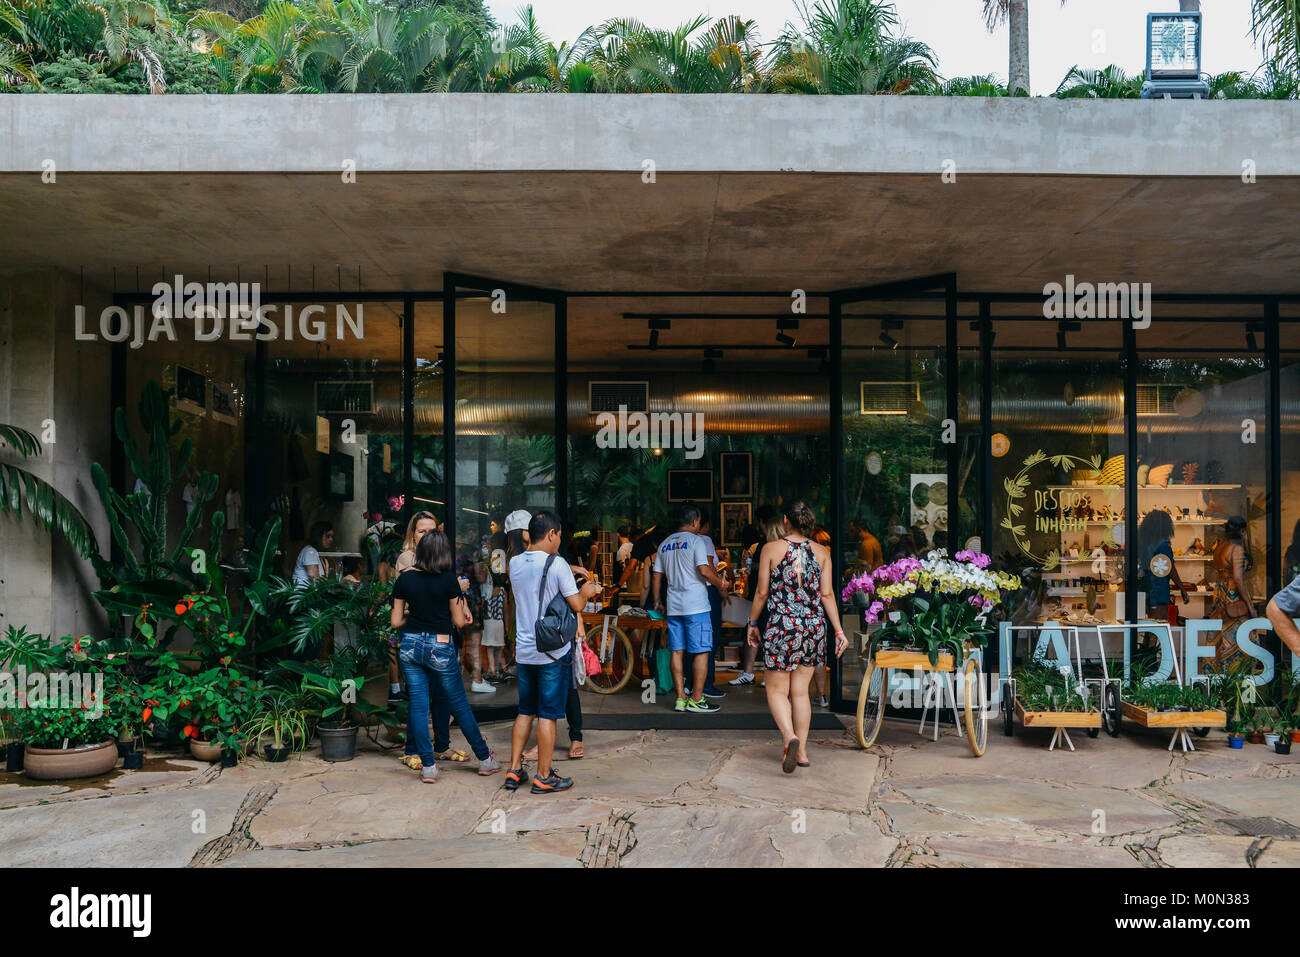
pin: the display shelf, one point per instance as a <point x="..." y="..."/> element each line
<point x="1149" y="488"/>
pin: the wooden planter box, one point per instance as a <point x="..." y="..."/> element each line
<point x="907" y="660"/>
<point x="1057" y="719"/>
<point x="1213" y="718"/>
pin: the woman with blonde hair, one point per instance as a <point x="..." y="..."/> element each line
<point x="794" y="584"/>
<point x="420" y="523"/>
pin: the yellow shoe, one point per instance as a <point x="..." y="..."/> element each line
<point x="412" y="761"/>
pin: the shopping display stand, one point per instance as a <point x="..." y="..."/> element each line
<point x="1062" y="721"/>
<point x="940" y="691"/>
<point x="1183" y="723"/>
<point x="607" y="637"/>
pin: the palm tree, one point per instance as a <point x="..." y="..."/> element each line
<point x="633" y="58"/>
<point x="1276" y="24"/>
<point x="974" y="86"/>
<point x="1016" y="14"/>
<point x="848" y="47"/>
<point x="21" y="491"/>
<point x="114" y="33"/>
<point x="1111" y="83"/>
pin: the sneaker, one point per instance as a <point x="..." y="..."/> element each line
<point x="429" y="773"/>
<point x="550" y="784"/>
<point x="482" y="687"/>
<point x="703" y="706"/>
<point x="681" y="705"/>
<point x="714" y="693"/>
<point x="744" y="678"/>
<point x="514" y="778"/>
<point x="489" y="765"/>
<point x="822" y="702"/>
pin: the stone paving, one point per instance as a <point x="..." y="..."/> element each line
<point x="654" y="799"/>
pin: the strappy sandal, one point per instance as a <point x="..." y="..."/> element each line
<point x="789" y="757"/>
<point x="451" y="754"/>
<point x="412" y="761"/>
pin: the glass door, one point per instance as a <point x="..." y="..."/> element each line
<point x="504" y="345"/>
<point x="906" y="475"/>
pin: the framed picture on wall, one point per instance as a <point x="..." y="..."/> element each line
<point x="736" y="474"/>
<point x="223" y="404"/>
<point x="690" y="485"/>
<point x="735" y="517"/>
<point x="191" y="391"/>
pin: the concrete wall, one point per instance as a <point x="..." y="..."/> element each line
<point x="46" y="375"/>
<point x="684" y="133"/>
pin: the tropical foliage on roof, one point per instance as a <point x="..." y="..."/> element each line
<point x="419" y="46"/>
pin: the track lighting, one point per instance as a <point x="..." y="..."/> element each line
<point x="782" y="336"/>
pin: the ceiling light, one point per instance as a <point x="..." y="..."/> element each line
<point x="888" y="340"/>
<point x="661" y="323"/>
<point x="785" y="340"/>
<point x="654" y="338"/>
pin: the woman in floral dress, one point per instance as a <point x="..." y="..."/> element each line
<point x="794" y="583"/>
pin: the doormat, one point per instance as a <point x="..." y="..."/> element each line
<point x="684" y="721"/>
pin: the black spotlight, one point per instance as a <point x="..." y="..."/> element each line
<point x="782" y="336"/>
<point x="888" y="340"/>
<point x="1251" y="342"/>
<point x="654" y="338"/>
<point x="710" y="363"/>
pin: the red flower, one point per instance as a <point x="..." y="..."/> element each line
<point x="190" y="731"/>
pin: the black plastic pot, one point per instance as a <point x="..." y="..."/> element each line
<point x="338" y="744"/>
<point x="124" y="748"/>
<point x="133" y="761"/>
<point x="14" y="757"/>
<point x="1283" y="745"/>
<point x="229" y="758"/>
<point x="276" y="755"/>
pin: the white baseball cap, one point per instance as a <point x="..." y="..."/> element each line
<point x="518" y="520"/>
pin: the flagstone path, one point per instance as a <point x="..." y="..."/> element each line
<point x="654" y="799"/>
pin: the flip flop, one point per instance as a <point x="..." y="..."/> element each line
<point x="789" y="757"/>
<point x="412" y="761"/>
<point x="804" y="764"/>
<point x="581" y="751"/>
<point x="451" y="754"/>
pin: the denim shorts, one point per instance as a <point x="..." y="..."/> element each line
<point x="690" y="633"/>
<point x="544" y="689"/>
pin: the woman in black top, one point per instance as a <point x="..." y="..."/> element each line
<point x="427" y="604"/>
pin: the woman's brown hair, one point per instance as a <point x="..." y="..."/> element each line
<point x="800" y="517"/>
<point x="433" y="554"/>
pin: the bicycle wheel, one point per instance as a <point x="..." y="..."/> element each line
<point x="977" y="712"/>
<point x="871" y="704"/>
<point x="615" y="663"/>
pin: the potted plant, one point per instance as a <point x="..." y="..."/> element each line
<point x="1285" y="726"/>
<point x="1255" y="725"/>
<point x="1236" y="735"/>
<point x="279" y="717"/>
<point x="940" y="602"/>
<point x="67" y="742"/>
<point x="13" y="747"/>
<point x="217" y="704"/>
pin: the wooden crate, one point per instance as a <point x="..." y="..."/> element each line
<point x="1057" y="719"/>
<point x="1214" y="718"/>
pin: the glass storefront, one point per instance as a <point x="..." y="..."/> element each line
<point x="1052" y="446"/>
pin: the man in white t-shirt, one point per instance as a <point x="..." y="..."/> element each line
<point x="683" y="559"/>
<point x="544" y="679"/>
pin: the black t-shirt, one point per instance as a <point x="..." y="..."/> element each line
<point x="427" y="598"/>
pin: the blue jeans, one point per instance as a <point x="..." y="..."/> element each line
<point x="432" y="671"/>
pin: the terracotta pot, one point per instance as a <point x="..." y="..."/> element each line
<point x="1295" y="736"/>
<point x="59" y="764"/>
<point x="205" y="750"/>
<point x="1255" y="737"/>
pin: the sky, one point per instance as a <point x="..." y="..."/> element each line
<point x="1090" y="33"/>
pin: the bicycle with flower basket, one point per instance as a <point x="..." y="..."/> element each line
<point x="934" y="623"/>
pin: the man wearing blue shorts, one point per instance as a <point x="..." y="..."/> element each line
<point x="544" y="677"/>
<point x="683" y="560"/>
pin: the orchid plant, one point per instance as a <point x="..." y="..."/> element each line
<point x="933" y="603"/>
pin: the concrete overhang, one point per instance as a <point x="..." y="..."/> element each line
<point x="748" y="192"/>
